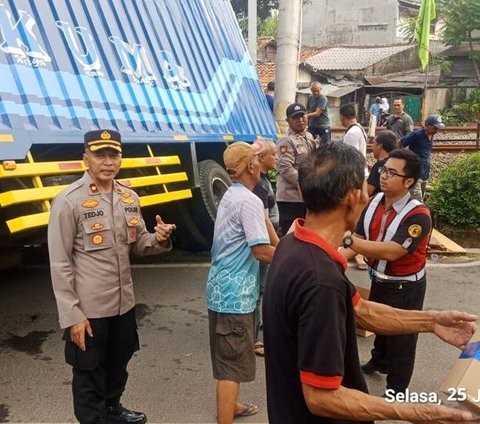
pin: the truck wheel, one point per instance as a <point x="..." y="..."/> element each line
<point x="214" y="182"/>
<point x="188" y="235"/>
<point x="195" y="217"/>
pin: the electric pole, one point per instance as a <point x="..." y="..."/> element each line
<point x="252" y="30"/>
<point x="286" y="63"/>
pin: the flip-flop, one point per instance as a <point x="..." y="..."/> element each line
<point x="259" y="349"/>
<point x="248" y="409"/>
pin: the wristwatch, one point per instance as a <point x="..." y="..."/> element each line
<point x="347" y="242"/>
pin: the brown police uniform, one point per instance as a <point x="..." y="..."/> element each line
<point x="291" y="148"/>
<point x="90" y="236"/>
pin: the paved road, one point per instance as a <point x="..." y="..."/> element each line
<point x="170" y="378"/>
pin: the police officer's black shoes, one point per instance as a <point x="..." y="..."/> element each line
<point x="120" y="415"/>
<point x="370" y="367"/>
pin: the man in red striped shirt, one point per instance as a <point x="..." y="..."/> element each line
<point x="395" y="229"/>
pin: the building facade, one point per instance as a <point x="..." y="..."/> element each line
<point x="358" y="22"/>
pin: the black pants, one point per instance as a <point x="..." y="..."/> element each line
<point x="289" y="212"/>
<point x="324" y="133"/>
<point x="396" y="354"/>
<point x="100" y="372"/>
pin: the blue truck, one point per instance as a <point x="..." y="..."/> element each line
<point x="174" y="77"/>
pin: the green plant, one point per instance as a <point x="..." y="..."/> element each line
<point x="456" y="193"/>
<point x="462" y="112"/>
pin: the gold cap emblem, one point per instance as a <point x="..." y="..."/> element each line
<point x="106" y="135"/>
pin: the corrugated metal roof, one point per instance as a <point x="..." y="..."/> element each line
<point x="331" y="90"/>
<point x="150" y="69"/>
<point x="353" y="58"/>
<point x="375" y="80"/>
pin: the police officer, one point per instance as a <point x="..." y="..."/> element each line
<point x="393" y="233"/>
<point x="291" y="148"/>
<point x="94" y="224"/>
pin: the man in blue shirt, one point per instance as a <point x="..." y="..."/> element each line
<point x="421" y="142"/>
<point x="270" y="93"/>
<point x="240" y="241"/>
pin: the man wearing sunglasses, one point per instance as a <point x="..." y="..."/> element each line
<point x="392" y="233"/>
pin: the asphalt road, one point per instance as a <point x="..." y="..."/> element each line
<point x="170" y="377"/>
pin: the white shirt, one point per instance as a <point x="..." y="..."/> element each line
<point x="356" y="137"/>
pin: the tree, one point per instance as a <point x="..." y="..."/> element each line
<point x="267" y="19"/>
<point x="461" y="18"/>
<point x="264" y="8"/>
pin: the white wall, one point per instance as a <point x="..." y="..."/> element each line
<point x="350" y="22"/>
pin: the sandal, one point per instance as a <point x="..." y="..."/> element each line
<point x="259" y="349"/>
<point x="248" y="409"/>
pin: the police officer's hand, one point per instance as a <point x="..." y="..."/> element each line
<point x="77" y="333"/>
<point x="163" y="231"/>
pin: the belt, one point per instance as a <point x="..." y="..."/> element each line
<point x="393" y="278"/>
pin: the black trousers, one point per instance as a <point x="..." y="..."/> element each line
<point x="289" y="212"/>
<point x="324" y="133"/>
<point x="396" y="354"/>
<point x="100" y="372"/>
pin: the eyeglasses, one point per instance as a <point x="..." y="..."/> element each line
<point x="389" y="172"/>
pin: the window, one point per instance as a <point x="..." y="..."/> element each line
<point x="373" y="27"/>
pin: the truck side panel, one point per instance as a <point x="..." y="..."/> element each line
<point x="157" y="71"/>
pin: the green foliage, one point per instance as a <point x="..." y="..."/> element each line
<point x="267" y="16"/>
<point x="264" y="8"/>
<point x="443" y="62"/>
<point x="269" y="27"/>
<point x="463" y="112"/>
<point x="407" y="29"/>
<point x="272" y="176"/>
<point x="456" y="194"/>
<point x="461" y="17"/>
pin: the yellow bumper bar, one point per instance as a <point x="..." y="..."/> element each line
<point x="42" y="193"/>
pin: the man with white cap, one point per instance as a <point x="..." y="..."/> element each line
<point x="421" y="143"/>
<point x="240" y="241"/>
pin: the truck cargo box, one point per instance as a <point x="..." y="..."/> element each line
<point x="174" y="77"/>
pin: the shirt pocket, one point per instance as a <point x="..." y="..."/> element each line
<point x="132" y="221"/>
<point x="97" y="234"/>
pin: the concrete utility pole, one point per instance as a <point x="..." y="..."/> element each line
<point x="252" y="30"/>
<point x="286" y="63"/>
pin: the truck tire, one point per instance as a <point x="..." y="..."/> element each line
<point x="196" y="216"/>
<point x="188" y="235"/>
<point x="214" y="182"/>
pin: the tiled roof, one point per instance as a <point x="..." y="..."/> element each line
<point x="262" y="42"/>
<point x="352" y="58"/>
<point x="309" y="51"/>
<point x="266" y="73"/>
